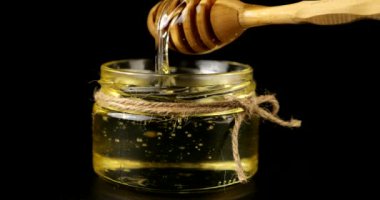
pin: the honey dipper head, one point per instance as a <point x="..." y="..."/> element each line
<point x="198" y="26"/>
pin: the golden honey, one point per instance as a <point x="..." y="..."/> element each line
<point x="173" y="153"/>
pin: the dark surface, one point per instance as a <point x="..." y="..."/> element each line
<point x="325" y="76"/>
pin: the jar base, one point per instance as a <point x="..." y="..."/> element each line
<point x="174" y="180"/>
<point x="171" y="177"/>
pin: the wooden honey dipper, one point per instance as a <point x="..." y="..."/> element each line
<point x="208" y="25"/>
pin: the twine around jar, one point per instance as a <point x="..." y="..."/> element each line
<point x="250" y="104"/>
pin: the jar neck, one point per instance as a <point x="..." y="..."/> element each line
<point x="204" y="81"/>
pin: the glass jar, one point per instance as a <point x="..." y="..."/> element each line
<point x="173" y="153"/>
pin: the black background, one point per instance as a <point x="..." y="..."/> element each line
<point x="323" y="75"/>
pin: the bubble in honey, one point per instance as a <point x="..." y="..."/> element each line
<point x="117" y="140"/>
<point x="150" y="134"/>
<point x="139" y="140"/>
<point x="105" y="118"/>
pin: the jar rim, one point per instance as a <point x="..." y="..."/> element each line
<point x="197" y="73"/>
<point x="246" y="69"/>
